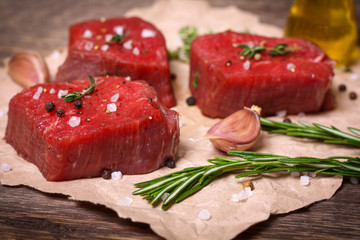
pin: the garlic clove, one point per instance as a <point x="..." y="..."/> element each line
<point x="239" y="131"/>
<point x="28" y="69"/>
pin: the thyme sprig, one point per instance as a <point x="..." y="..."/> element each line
<point x="279" y="49"/>
<point x="78" y="95"/>
<point x="184" y="183"/>
<point x="187" y="34"/>
<point x="315" y="131"/>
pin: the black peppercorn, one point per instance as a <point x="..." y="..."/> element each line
<point x="77" y="104"/>
<point x="190" y="101"/>
<point x="170" y="163"/>
<point x="352" y="95"/>
<point x="50" y="106"/>
<point x="287" y="120"/>
<point x="106" y="174"/>
<point x="342" y="87"/>
<point x="60" y="112"/>
<point x="172" y="76"/>
<point x="149" y="99"/>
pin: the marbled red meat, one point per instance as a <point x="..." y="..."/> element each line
<point x="136" y="137"/>
<point x="223" y="83"/>
<point x="142" y="54"/>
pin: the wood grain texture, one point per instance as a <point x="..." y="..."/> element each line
<point x="26" y="213"/>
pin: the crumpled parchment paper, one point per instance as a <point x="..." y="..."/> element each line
<point x="273" y="194"/>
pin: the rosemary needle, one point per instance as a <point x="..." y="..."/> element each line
<point x="184" y="183"/>
<point x="316" y="131"/>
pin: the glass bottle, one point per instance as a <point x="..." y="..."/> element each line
<point x="330" y="24"/>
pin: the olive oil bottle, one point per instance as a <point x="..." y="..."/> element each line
<point x="330" y="24"/>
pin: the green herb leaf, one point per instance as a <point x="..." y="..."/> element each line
<point x="195" y="80"/>
<point x="78" y="95"/>
<point x="186" y="182"/>
<point x="118" y="38"/>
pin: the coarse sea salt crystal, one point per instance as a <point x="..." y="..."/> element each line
<point x="74" y="121"/>
<point x="5" y="167"/>
<point x="87" y="34"/>
<point x="290" y="67"/>
<point x="242" y="195"/>
<point x="248" y="191"/>
<point x="116" y="175"/>
<point x="62" y="93"/>
<point x="104" y="47"/>
<point x="111" y="107"/>
<point x="354" y="180"/>
<point x="38" y="93"/>
<point x="145" y="33"/>
<point x="235" y="197"/>
<point x="304" y="180"/>
<point x="125" y="201"/>
<point x="52" y="91"/>
<point x="119" y="30"/>
<point x="114" y="98"/>
<point x="128" y="44"/>
<point x="246" y="65"/>
<point x="89" y="46"/>
<point x="204" y="214"/>
<point x="108" y="37"/>
<point x="128" y="78"/>
<point x="281" y="113"/>
<point x="136" y="51"/>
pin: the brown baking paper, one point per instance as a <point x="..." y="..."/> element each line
<point x="273" y="194"/>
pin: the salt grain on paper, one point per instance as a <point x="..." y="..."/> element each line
<point x="128" y="44"/>
<point x="145" y="33"/>
<point x="136" y="51"/>
<point x="5" y="167"/>
<point x="38" y="93"/>
<point x="304" y="180"/>
<point x="111" y="107"/>
<point x="281" y="113"/>
<point x="104" y="47"/>
<point x="62" y="93"/>
<point x="74" y="121"/>
<point x="235" y="197"/>
<point x="56" y="54"/>
<point x="119" y="30"/>
<point x="242" y="195"/>
<point x="114" y="98"/>
<point x="87" y="34"/>
<point x="246" y="65"/>
<point x="248" y="191"/>
<point x="125" y="201"/>
<point x="204" y="214"/>
<point x="116" y="175"/>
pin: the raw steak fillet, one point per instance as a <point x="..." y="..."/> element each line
<point x="141" y="54"/>
<point x="120" y="127"/>
<point x="222" y="82"/>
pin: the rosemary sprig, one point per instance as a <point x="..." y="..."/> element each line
<point x="182" y="184"/>
<point x="188" y="34"/>
<point x="279" y="49"/>
<point x="78" y="95"/>
<point x="314" y="131"/>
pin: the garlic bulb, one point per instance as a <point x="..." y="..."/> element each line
<point x="239" y="131"/>
<point x="28" y="69"/>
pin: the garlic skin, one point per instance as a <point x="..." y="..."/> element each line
<point x="239" y="131"/>
<point x="28" y="69"/>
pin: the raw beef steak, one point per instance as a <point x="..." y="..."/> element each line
<point x="223" y="82"/>
<point x="126" y="47"/>
<point x="121" y="126"/>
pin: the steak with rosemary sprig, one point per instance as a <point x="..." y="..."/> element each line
<point x="121" y="126"/>
<point x="231" y="70"/>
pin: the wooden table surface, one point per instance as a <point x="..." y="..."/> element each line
<point x="25" y="213"/>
